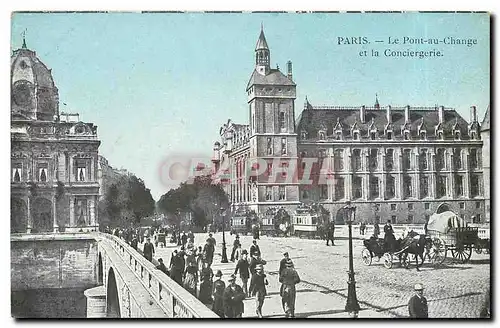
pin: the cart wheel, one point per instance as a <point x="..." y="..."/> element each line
<point x="462" y="253"/>
<point x="438" y="251"/>
<point x="478" y="248"/>
<point x="366" y="256"/>
<point x="388" y="260"/>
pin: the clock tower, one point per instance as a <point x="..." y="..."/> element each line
<point x="271" y="99"/>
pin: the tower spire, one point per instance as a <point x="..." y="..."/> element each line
<point x="262" y="54"/>
<point x="377" y="105"/>
<point x="24" y="40"/>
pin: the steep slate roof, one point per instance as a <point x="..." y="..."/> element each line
<point x="485" y="126"/>
<point x="311" y="119"/>
<point x="261" y="42"/>
<point x="274" y="77"/>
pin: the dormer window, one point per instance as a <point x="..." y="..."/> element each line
<point x="473" y="135"/>
<point x="373" y="135"/>
<point x="456" y="135"/>
<point x="423" y="135"/>
<point x="303" y="135"/>
<point x="338" y="135"/>
<point x="406" y="134"/>
<point x="389" y="135"/>
<point x="321" y="135"/>
<point x="355" y="135"/>
<point x="440" y="135"/>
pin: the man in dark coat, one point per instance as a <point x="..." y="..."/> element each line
<point x="286" y="257"/>
<point x="376" y="229"/>
<point x="254" y="249"/>
<point x="218" y="293"/>
<point x="236" y="244"/>
<point x="191" y="236"/>
<point x="205" y="295"/>
<point x="134" y="242"/>
<point x="289" y="278"/>
<point x="148" y="250"/>
<point x="176" y="267"/>
<point x="233" y="299"/>
<point x="330" y="234"/>
<point x="258" y="288"/>
<point x="417" y="305"/>
<point x="208" y="252"/>
<point x="389" y="239"/>
<point x="162" y="266"/>
<point x="184" y="238"/>
<point x="243" y="267"/>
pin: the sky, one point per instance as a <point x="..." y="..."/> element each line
<point x="162" y="83"/>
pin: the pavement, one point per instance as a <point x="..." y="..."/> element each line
<point x="453" y="290"/>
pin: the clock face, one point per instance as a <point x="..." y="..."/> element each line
<point x="22" y="94"/>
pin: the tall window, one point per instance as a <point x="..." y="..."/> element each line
<point x="357" y="187"/>
<point x="473" y="155"/>
<point x="459" y="187"/>
<point x="269" y="193"/>
<point x="389" y="160"/>
<point x="270" y="168"/>
<point x="374" y="188"/>
<point x="269" y="146"/>
<point x="441" y="186"/>
<point x="407" y="187"/>
<point x="406" y="159"/>
<point x="390" y="187"/>
<point x="339" y="188"/>
<point x="474" y="185"/>
<point x="282" y="193"/>
<point x="282" y="121"/>
<point x="424" y="187"/>
<point x="440" y="159"/>
<point x="17" y="170"/>
<point x="373" y="159"/>
<point x="422" y="160"/>
<point x="283" y="146"/>
<point x="323" y="191"/>
<point x="42" y="172"/>
<point x="356" y="159"/>
<point x="338" y="160"/>
<point x="457" y="159"/>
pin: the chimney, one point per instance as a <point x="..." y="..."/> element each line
<point x="473" y="114"/>
<point x="441" y="114"/>
<point x="289" y="69"/>
<point x="389" y="114"/>
<point x="362" y="113"/>
<point x="216" y="155"/>
<point x="407" y="113"/>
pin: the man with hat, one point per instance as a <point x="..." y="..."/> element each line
<point x="148" y="250"/>
<point x="258" y="288"/>
<point x="209" y="250"/>
<point x="283" y="261"/>
<point x="236" y="244"/>
<point x="243" y="267"/>
<point x="218" y="288"/>
<point x="417" y="305"/>
<point x="289" y="278"/>
<point x="254" y="249"/>
<point x="162" y="266"/>
<point x="233" y="299"/>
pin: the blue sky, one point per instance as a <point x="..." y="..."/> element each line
<point x="158" y="84"/>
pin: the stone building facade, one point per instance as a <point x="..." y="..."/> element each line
<point x="392" y="163"/>
<point x="54" y="156"/>
<point x="485" y="137"/>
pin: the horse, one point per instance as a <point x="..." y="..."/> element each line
<point x="413" y="245"/>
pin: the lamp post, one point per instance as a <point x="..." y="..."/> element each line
<point x="224" y="251"/>
<point x="179" y="243"/>
<point x="351" y="305"/>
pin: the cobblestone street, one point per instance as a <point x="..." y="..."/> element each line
<point x="453" y="290"/>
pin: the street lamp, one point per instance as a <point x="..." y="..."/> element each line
<point x="351" y="305"/>
<point x="224" y="252"/>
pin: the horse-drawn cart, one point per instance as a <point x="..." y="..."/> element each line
<point x="376" y="247"/>
<point x="449" y="232"/>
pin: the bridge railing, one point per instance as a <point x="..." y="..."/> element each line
<point x="172" y="298"/>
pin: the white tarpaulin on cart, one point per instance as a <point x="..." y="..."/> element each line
<point x="442" y="222"/>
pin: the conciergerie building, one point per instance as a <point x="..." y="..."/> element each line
<point x="54" y="155"/>
<point x="393" y="163"/>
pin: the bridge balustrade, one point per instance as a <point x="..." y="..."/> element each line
<point x="172" y="298"/>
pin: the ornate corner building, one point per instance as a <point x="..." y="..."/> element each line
<point x="398" y="163"/>
<point x="54" y="156"/>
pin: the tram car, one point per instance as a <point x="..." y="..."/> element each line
<point x="275" y="222"/>
<point x="241" y="223"/>
<point x="309" y="221"/>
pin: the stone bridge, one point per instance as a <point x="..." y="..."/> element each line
<point x="127" y="285"/>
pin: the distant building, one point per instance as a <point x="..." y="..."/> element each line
<point x="393" y="163"/>
<point x="485" y="137"/>
<point x="54" y="156"/>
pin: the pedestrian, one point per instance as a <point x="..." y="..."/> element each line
<point x="134" y="242"/>
<point x="362" y="228"/>
<point x="254" y="262"/>
<point x="236" y="244"/>
<point x="289" y="278"/>
<point x="258" y="288"/>
<point x="417" y="305"/>
<point x="376" y="229"/>
<point x="162" y="266"/>
<point x="199" y="258"/>
<point x="191" y="257"/>
<point x="243" y="267"/>
<point x="218" y="288"/>
<point x="330" y="234"/>
<point x="184" y="238"/>
<point x="286" y="257"/>
<point x="191" y="237"/>
<point x="233" y="299"/>
<point x="212" y="239"/>
<point x="254" y="249"/>
<point x="176" y="268"/>
<point x="206" y="286"/>
<point x="148" y="250"/>
<point x="191" y="279"/>
<point x="389" y="239"/>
